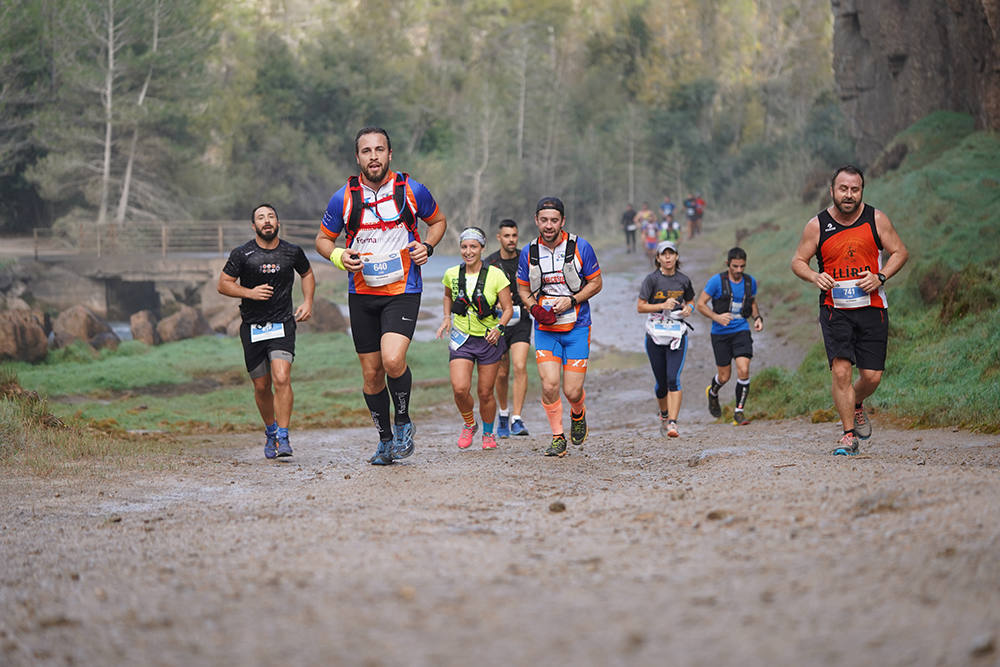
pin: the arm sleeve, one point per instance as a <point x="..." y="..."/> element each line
<point x="588" y="259"/>
<point x="426" y="206"/>
<point x="301" y="265"/>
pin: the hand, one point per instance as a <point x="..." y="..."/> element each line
<point x="261" y="292"/>
<point x="824" y="281"/>
<point x="869" y="281"/>
<point x="418" y="252"/>
<point x="445" y="325"/>
<point x="669" y="304"/>
<point x="492" y="336"/>
<point x="303" y="312"/>
<point x="543" y="315"/>
<point x="758" y="323"/>
<point x="351" y="260"/>
<point x="724" y="319"/>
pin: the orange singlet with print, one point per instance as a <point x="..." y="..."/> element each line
<point x="843" y="252"/>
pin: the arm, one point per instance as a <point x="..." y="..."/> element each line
<point x="807" y="249"/>
<point x="703" y="307"/>
<point x="507" y="304"/>
<point x="228" y="286"/>
<point x="436" y="224"/>
<point x="589" y="290"/>
<point x="892" y="244"/>
<point x="446" y="322"/>
<point x="644" y="306"/>
<point x="304" y="311"/>
<point x="345" y="259"/>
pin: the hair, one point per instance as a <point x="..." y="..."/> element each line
<point x="253" y="213"/>
<point x="507" y="222"/>
<point x="736" y="253"/>
<point x="848" y="169"/>
<point x="371" y="129"/>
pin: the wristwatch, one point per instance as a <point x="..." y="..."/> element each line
<point x="573" y="299"/>
<point x="501" y="328"/>
<point x="430" y="248"/>
<point x="882" y="278"/>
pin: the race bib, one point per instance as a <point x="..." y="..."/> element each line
<point x="736" y="310"/>
<point x="514" y="319"/>
<point x="266" y="331"/>
<point x="378" y="270"/>
<point x="846" y="294"/>
<point x="457" y="338"/>
<point x="663" y="330"/>
<point x="567" y="317"/>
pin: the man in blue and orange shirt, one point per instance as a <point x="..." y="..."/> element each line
<point x="377" y="212"/>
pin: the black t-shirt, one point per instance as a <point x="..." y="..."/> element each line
<point x="509" y="267"/>
<point x="628" y="217"/>
<point x="253" y="265"/>
<point x="657" y="288"/>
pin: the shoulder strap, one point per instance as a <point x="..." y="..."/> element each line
<point x="357" y="208"/>
<point x="747" y="310"/>
<point x="533" y="253"/>
<point x="399" y="197"/>
<point x="570" y="253"/>
<point x="721" y="305"/>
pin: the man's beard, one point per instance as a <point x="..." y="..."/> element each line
<point x="846" y="209"/>
<point x="267" y="236"/>
<point x="375" y="176"/>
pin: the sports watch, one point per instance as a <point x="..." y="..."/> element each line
<point x="501" y="328"/>
<point x="881" y="278"/>
<point x="430" y="248"/>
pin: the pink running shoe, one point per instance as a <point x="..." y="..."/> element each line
<point x="468" y="430"/>
<point x="489" y="441"/>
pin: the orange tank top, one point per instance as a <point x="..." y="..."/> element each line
<point x="843" y="252"/>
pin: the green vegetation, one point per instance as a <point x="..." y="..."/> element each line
<point x="944" y="347"/>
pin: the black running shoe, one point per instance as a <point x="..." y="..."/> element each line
<point x="714" y="408"/>
<point x="558" y="446"/>
<point x="578" y="429"/>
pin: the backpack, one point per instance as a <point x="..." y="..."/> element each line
<point x="358" y="206"/>
<point x="722" y="304"/>
<point x="573" y="279"/>
<point x="478" y="301"/>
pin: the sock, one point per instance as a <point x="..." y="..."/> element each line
<point x="378" y="405"/>
<point x="399" y="389"/>
<point x="516" y="418"/>
<point x="857" y="406"/>
<point x="469" y="418"/>
<point x="577" y="410"/>
<point x="504" y="413"/>
<point x="271" y="429"/>
<point x="282" y="433"/>
<point x="742" y="389"/>
<point x="716" y="385"/>
<point x="487" y="427"/>
<point x="664" y="414"/>
<point x="554" y="413"/>
<point x="851" y="431"/>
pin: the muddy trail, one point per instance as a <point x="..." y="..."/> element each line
<point x="729" y="545"/>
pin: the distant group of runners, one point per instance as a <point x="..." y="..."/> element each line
<point x="492" y="305"/>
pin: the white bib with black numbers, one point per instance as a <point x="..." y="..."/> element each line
<point x="266" y="331"/>
<point x="565" y="317"/>
<point x="664" y="329"/>
<point x="846" y="294"/>
<point x="457" y="338"/>
<point x="378" y="270"/>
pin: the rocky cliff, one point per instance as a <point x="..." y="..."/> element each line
<point x="895" y="61"/>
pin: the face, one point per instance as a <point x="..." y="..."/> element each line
<point x="470" y="250"/>
<point x="373" y="156"/>
<point x="668" y="260"/>
<point x="550" y="224"/>
<point x="846" y="192"/>
<point x="508" y="238"/>
<point x="736" y="268"/>
<point x="265" y="223"/>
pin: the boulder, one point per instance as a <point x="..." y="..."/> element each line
<point x="185" y="323"/>
<point x="213" y="303"/>
<point x="326" y="317"/>
<point x="108" y="339"/>
<point x="233" y="328"/>
<point x="22" y="335"/>
<point x="221" y="320"/>
<point x="143" y="327"/>
<point x="77" y="323"/>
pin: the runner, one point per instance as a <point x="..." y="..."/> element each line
<point x="848" y="240"/>
<point x="517" y="336"/>
<point x="260" y="273"/>
<point x="628" y="224"/>
<point x="471" y="292"/>
<point x="650" y="231"/>
<point x="667" y="297"/>
<point x="556" y="276"/>
<point x="377" y="212"/>
<point x="731" y="311"/>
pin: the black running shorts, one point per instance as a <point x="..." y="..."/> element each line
<point x="520" y="332"/>
<point x="729" y="346"/>
<point x="258" y="355"/>
<point x="859" y="334"/>
<point x="375" y="314"/>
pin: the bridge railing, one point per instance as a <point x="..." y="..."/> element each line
<point x="176" y="237"/>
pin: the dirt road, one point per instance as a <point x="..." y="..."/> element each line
<point x="748" y="546"/>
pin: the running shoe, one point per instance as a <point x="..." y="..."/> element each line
<point x="468" y="430"/>
<point x="672" y="429"/>
<point x="517" y="427"/>
<point x="847" y="445"/>
<point x="739" y="419"/>
<point x="489" y="441"/>
<point x="503" y="427"/>
<point x="284" y="447"/>
<point x="402" y="440"/>
<point x="578" y="429"/>
<point x="558" y="446"/>
<point x="862" y="425"/>
<point x="714" y="408"/>
<point x="383" y="455"/>
<point x="664" y="424"/>
<point x="271" y="446"/>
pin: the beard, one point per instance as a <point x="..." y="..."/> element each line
<point x="375" y="176"/>
<point x="846" y="208"/>
<point x="267" y="236"/>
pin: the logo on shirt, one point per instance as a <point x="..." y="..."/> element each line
<point x="830" y="227"/>
<point x="270" y="268"/>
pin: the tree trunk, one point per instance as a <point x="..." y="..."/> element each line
<point x="109" y="78"/>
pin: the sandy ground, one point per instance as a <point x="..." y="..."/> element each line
<point x="730" y="545"/>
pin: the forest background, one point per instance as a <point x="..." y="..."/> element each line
<point x="153" y="110"/>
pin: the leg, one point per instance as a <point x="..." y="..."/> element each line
<point x="460" y="371"/>
<point x="502" y="374"/>
<point x="866" y="384"/>
<point x="843" y="391"/>
<point x="281" y="376"/>
<point x="723" y="373"/>
<point x="264" y="398"/>
<point x="519" y="360"/>
<point x="484" y="388"/>
<point x="372" y="372"/>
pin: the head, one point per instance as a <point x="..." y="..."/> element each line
<point x="666" y="200"/>
<point x="736" y="262"/>
<point x="264" y="220"/>
<point x="667" y="257"/>
<point x="507" y="236"/>
<point x="550" y="217"/>
<point x="645" y="205"/>
<point x="373" y="151"/>
<point x="630" y="207"/>
<point x="471" y="242"/>
<point x="847" y="188"/>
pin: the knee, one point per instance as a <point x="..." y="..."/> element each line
<point x="485" y="395"/>
<point x="395" y="365"/>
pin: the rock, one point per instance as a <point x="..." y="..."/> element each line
<point x="326" y="317"/>
<point x="108" y="339"/>
<point x="221" y="320"/>
<point x="77" y="323"/>
<point x="233" y="328"/>
<point x="213" y="303"/>
<point x="143" y="327"/>
<point x="22" y="335"/>
<point x="557" y="506"/>
<point x="185" y="323"/>
<point x="983" y="645"/>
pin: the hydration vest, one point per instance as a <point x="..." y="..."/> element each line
<point x="574" y="281"/>
<point x="722" y="304"/>
<point x="358" y="206"/>
<point x="478" y="302"/>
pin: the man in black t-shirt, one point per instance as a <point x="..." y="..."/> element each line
<point x="260" y="273"/>
<point x="628" y="224"/>
<point x="517" y="335"/>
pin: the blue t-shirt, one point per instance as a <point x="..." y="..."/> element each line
<point x="714" y="289"/>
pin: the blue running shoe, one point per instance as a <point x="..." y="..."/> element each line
<point x="847" y="445"/>
<point x="402" y="440"/>
<point x="284" y="448"/>
<point x="503" y="427"/>
<point x="383" y="455"/>
<point x="270" y="446"/>
<point x="517" y="427"/>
